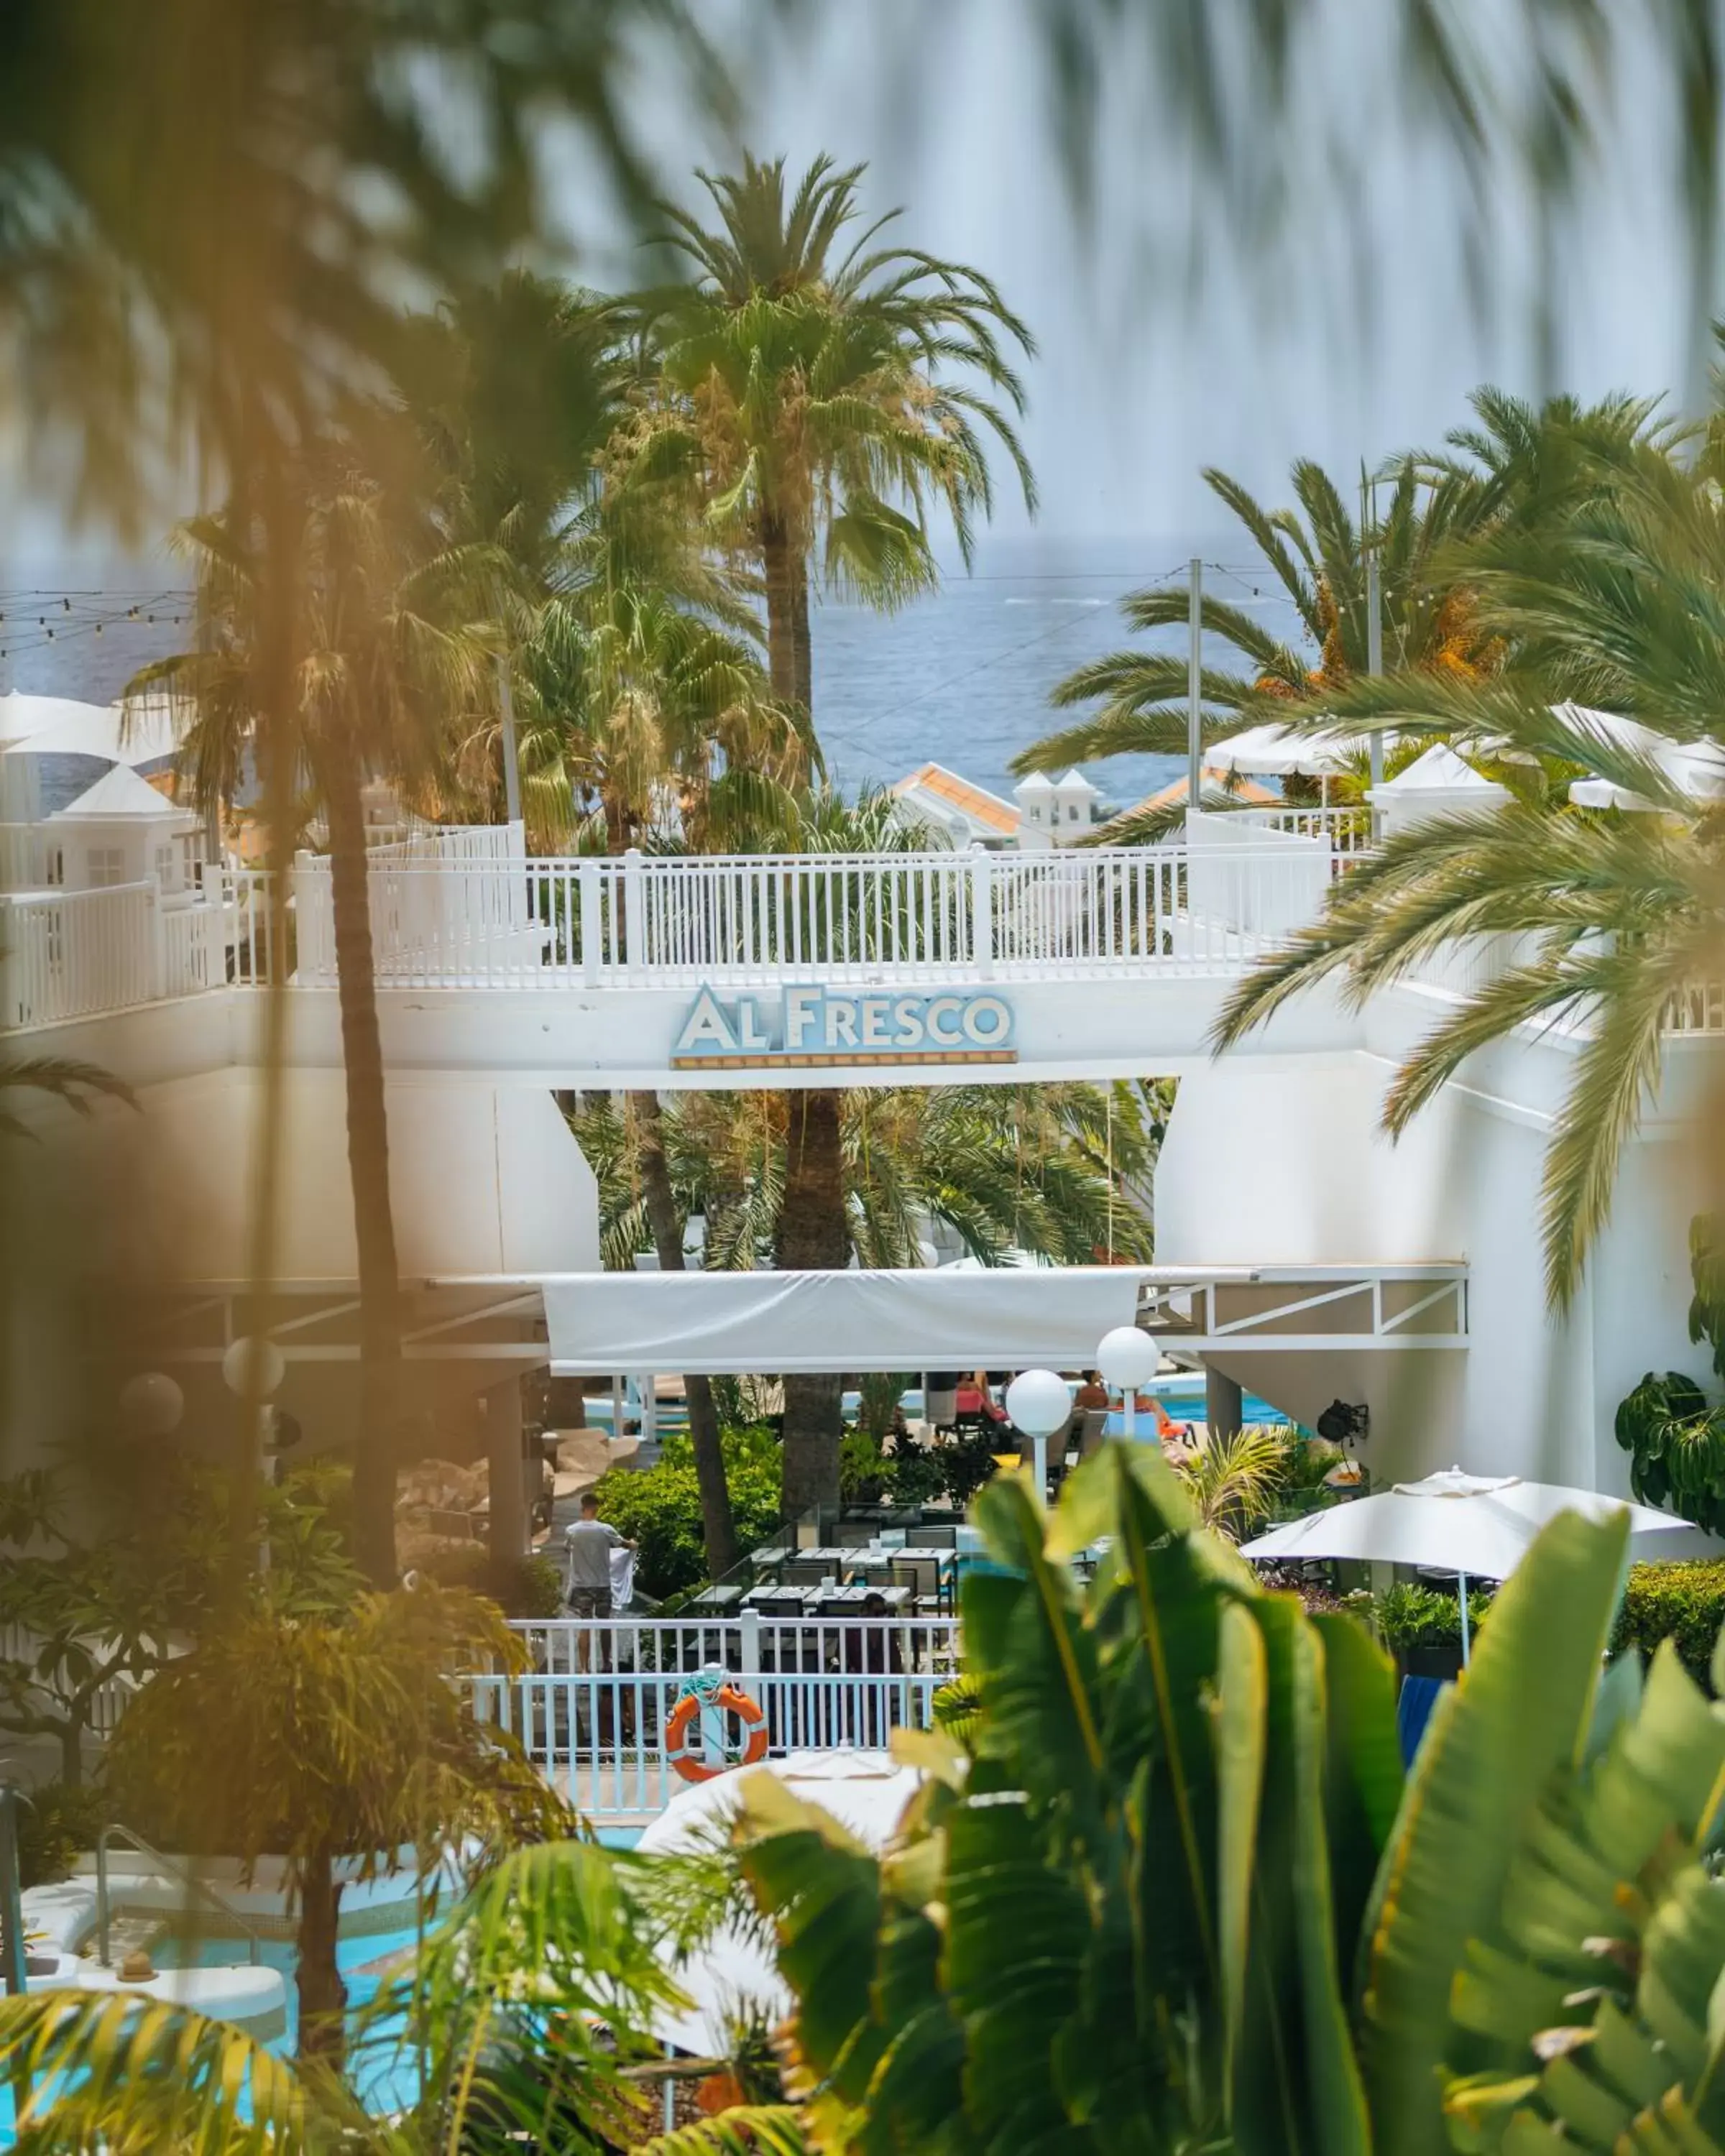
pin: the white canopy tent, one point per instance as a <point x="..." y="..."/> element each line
<point x="140" y="733"/>
<point x="1272" y="752"/>
<point x="1477" y="1525"/>
<point x="726" y="1323"/>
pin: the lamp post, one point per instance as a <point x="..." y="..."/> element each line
<point x="1040" y="1404"/>
<point x="256" y="1367"/>
<point x="1127" y="1358"/>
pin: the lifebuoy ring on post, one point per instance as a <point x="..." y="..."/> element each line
<point x="690" y="1765"/>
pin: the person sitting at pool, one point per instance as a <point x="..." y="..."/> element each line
<point x="1093" y="1393"/>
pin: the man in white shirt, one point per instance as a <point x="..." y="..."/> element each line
<point x="590" y="1542"/>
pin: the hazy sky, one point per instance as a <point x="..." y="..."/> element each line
<point x="1348" y="335"/>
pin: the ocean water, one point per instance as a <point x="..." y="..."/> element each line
<point x="961" y="677"/>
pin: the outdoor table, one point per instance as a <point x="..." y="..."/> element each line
<point x="790" y="1601"/>
<point x="717" y="1598"/>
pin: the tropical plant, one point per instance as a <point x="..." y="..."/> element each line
<point x="341" y="1742"/>
<point x="1609" y="923"/>
<point x="1231" y="1927"/>
<point x="1233" y="1480"/>
<point x="82" y="1613"/>
<point x="382" y="659"/>
<point x="819" y="391"/>
<point x="525" y="2020"/>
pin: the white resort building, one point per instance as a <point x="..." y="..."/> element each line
<point x="1299" y="1254"/>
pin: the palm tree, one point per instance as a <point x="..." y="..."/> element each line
<point x="1518" y="468"/>
<point x="378" y="665"/>
<point x="340" y="1740"/>
<point x="821" y="391"/>
<point x="1606" y="923"/>
<point x="800" y="388"/>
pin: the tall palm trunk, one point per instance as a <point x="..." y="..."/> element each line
<point x="317" y="1977"/>
<point x="368" y="1171"/>
<point x="813" y="1235"/>
<point x="785" y="575"/>
<point x="718" y="1527"/>
<point x="813" y="1232"/>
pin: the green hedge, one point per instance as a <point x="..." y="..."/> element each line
<point x="1682" y="1603"/>
<point x="659" y="1508"/>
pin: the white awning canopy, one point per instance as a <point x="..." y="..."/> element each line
<point x="1272" y="752"/>
<point x="733" y="1323"/>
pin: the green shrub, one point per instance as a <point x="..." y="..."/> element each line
<point x="659" y="1508"/>
<point x="1408" y="1615"/>
<point x="1682" y="1603"/>
<point x="55" y="1826"/>
<point x="919" y="1474"/>
<point x="864" y="1474"/>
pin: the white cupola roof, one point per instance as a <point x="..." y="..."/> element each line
<point x="1075" y="782"/>
<point x="1038" y="783"/>
<point x="120" y="794"/>
<point x="1440" y="770"/>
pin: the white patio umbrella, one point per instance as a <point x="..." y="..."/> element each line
<point x="1480" y="1526"/>
<point x="865" y="1791"/>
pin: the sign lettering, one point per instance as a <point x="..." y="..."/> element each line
<point x="808" y="1028"/>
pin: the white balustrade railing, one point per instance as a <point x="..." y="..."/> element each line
<point x="592" y="1708"/>
<point x="1349" y="830"/>
<point x="72" y="954"/>
<point x="637" y="921"/>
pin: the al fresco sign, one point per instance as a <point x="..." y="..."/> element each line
<point x="810" y="1028"/>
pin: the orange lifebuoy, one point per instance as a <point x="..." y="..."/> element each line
<point x="690" y="1765"/>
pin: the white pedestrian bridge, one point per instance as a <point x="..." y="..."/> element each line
<point x="929" y="967"/>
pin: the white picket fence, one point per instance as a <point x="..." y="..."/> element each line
<point x="591" y="1707"/>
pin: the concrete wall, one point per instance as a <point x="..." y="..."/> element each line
<point x="1290" y="1166"/>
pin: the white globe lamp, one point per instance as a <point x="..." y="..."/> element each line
<point x="254" y="1365"/>
<point x="1039" y="1404"/>
<point x="151" y="1405"/>
<point x="1127" y="1358"/>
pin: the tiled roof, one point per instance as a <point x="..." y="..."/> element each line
<point x="983" y="807"/>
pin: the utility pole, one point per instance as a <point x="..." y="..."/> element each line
<point x="511" y="767"/>
<point x="1194" y="683"/>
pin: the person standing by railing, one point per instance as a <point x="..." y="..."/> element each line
<point x="589" y="1542"/>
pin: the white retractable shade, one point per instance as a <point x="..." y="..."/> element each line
<point x="726" y="1323"/>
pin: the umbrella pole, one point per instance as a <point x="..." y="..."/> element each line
<point x="1462" y="1580"/>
